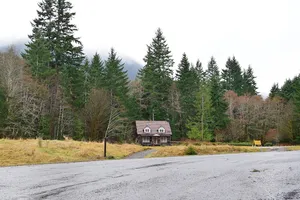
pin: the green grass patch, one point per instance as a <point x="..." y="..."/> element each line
<point x="190" y="151"/>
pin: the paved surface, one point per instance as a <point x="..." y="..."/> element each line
<point x="141" y="154"/>
<point x="269" y="175"/>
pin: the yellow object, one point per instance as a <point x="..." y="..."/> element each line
<point x="257" y="142"/>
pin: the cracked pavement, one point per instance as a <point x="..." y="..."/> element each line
<point x="266" y="175"/>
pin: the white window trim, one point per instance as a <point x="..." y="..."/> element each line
<point x="161" y="130"/>
<point x="147" y="130"/>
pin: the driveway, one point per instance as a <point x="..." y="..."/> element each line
<point x="268" y="175"/>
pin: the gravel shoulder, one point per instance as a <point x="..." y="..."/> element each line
<point x="141" y="154"/>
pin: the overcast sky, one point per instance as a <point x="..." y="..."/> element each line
<point x="264" y="34"/>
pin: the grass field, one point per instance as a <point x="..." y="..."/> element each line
<point x="293" y="148"/>
<point x="22" y="152"/>
<point x="181" y="150"/>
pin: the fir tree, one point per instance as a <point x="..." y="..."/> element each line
<point x="38" y="57"/>
<point x="212" y="69"/>
<point x="219" y="118"/>
<point x="53" y="30"/>
<point x="249" y="83"/>
<point x="156" y="78"/>
<point x="115" y="77"/>
<point x="188" y="86"/>
<point x="232" y="76"/>
<point x="275" y="91"/>
<point x="201" y="74"/>
<point x="96" y="71"/>
<point x="287" y="90"/>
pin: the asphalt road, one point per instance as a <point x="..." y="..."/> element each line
<point x="269" y="175"/>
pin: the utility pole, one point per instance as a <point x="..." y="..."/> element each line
<point x="202" y="117"/>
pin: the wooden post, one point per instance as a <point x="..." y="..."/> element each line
<point x="104" y="147"/>
<point x="202" y="118"/>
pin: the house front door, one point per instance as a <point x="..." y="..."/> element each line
<point x="155" y="141"/>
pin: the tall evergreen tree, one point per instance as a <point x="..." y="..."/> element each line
<point x="249" y="83"/>
<point x="232" y="76"/>
<point x="115" y="77"/>
<point x="201" y="74"/>
<point x="156" y="78"/>
<point x="218" y="103"/>
<point x="38" y="57"/>
<point x="96" y="71"/>
<point x="53" y="30"/>
<point x="275" y="91"/>
<point x="212" y="69"/>
<point x="188" y="87"/>
<point x="287" y="90"/>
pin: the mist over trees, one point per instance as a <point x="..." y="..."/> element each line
<point x="53" y="90"/>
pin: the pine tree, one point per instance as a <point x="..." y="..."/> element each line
<point x="232" y="76"/>
<point x="53" y="30"/>
<point x="188" y="87"/>
<point x="38" y="57"/>
<point x="96" y="71"/>
<point x="275" y="91"/>
<point x="156" y="78"/>
<point x="219" y="118"/>
<point x="249" y="83"/>
<point x="287" y="90"/>
<point x="212" y="69"/>
<point x="201" y="74"/>
<point x="68" y="48"/>
<point x="115" y="77"/>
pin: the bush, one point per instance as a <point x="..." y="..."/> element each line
<point x="110" y="157"/>
<point x="268" y="144"/>
<point x="190" y="151"/>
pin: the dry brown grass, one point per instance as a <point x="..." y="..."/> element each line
<point x="293" y="148"/>
<point x="179" y="150"/>
<point x="21" y="152"/>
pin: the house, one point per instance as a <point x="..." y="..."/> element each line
<point x="153" y="132"/>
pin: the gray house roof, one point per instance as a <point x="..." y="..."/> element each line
<point x="154" y="126"/>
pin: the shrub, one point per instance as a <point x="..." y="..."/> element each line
<point x="190" y="151"/>
<point x="268" y="144"/>
<point x="110" y="157"/>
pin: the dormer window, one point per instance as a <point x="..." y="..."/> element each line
<point x="147" y="130"/>
<point x="161" y="130"/>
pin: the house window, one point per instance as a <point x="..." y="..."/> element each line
<point x="161" y="130"/>
<point x="146" y="139"/>
<point x="163" y="140"/>
<point x="147" y="130"/>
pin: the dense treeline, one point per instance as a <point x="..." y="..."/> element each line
<point x="53" y="90"/>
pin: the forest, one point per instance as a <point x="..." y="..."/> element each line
<point x="53" y="89"/>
